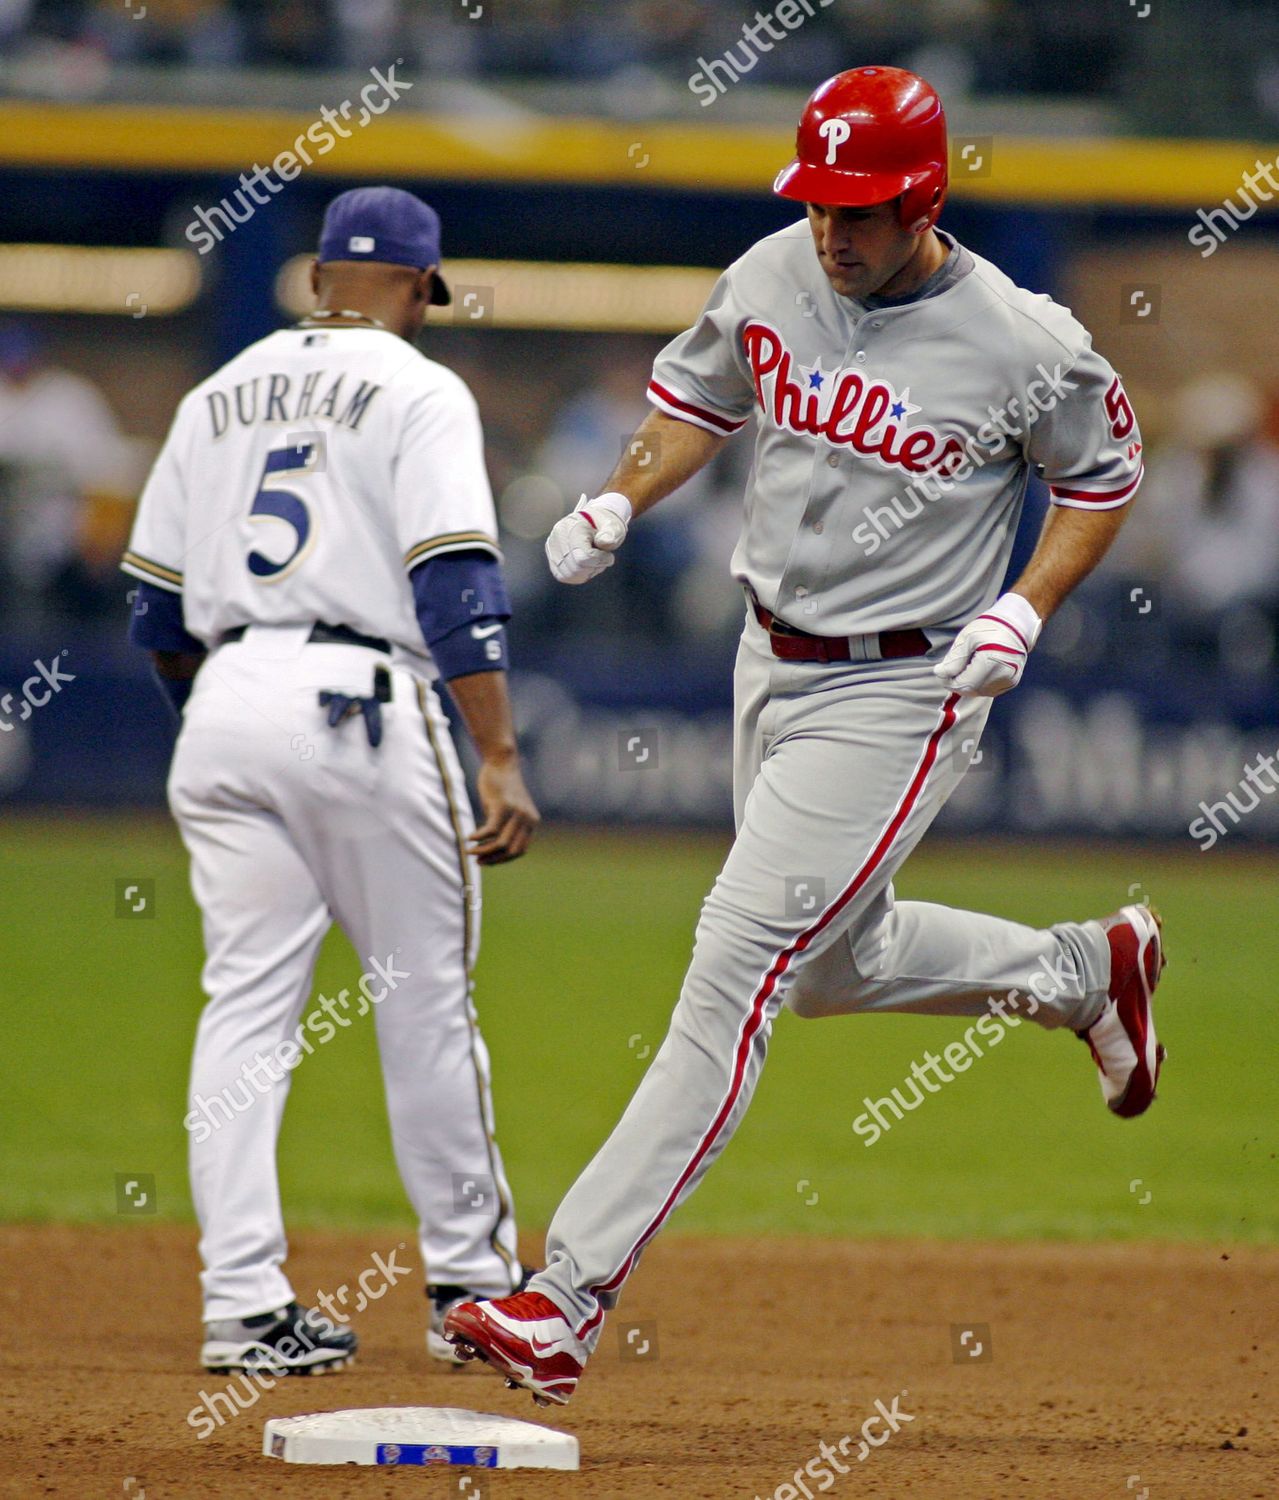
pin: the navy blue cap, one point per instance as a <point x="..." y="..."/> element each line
<point x="384" y="224"/>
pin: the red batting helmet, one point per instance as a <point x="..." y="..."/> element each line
<point x="869" y="135"/>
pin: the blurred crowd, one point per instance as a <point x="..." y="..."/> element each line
<point x="548" y="443"/>
<point x="991" y="46"/>
<point x="69" y="477"/>
<point x="1200" y="562"/>
<point x="1197" y="569"/>
<point x="1131" y="59"/>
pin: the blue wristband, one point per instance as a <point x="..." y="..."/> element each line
<point x="458" y="589"/>
<point x="471" y="648"/>
<point x="462" y="604"/>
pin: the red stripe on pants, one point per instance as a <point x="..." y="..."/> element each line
<point x="755" y="1017"/>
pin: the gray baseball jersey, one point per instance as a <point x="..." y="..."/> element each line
<point x="894" y="441"/>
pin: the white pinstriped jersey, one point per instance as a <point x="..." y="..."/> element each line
<point x="894" y="441"/>
<point x="303" y="479"/>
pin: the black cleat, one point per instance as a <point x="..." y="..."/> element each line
<point x="293" y="1341"/>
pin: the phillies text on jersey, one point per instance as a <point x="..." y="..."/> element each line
<point x="894" y="442"/>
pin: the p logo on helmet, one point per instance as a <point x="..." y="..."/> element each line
<point x="834" y="133"/>
<point x="898" y="150"/>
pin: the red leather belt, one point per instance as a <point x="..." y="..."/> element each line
<point x="791" y="644"/>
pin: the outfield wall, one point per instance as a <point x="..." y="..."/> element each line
<point x="644" y="738"/>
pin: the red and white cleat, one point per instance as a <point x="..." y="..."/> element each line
<point x="1122" y="1039"/>
<point x="524" y="1337"/>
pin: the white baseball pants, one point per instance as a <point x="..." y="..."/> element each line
<point x="291" y="825"/>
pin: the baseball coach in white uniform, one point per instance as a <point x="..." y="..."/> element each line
<point x="315" y="548"/>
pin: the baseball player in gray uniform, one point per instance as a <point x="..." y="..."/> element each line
<point x="315" y="548"/>
<point x="903" y="390"/>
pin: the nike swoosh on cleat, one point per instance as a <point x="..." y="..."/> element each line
<point x="543" y="1349"/>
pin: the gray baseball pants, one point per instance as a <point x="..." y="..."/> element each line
<point x="839" y="770"/>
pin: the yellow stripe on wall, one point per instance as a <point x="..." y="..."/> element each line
<point x="698" y="156"/>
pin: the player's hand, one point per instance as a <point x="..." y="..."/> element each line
<point x="509" y="814"/>
<point x="989" y="654"/>
<point x="582" y="543"/>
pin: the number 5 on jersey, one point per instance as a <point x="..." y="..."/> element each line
<point x="1119" y="410"/>
<point x="282" y="505"/>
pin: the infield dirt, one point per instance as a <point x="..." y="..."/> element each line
<point x="1121" y="1372"/>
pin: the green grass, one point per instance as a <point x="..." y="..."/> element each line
<point x="584" y="947"/>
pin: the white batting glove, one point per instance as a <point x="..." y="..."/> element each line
<point x="989" y="654"/>
<point x="581" y="544"/>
